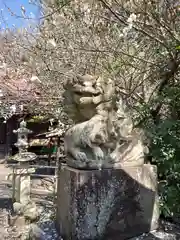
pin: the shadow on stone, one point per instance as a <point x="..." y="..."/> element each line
<point x="107" y="204"/>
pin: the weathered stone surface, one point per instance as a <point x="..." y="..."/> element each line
<point x="107" y="204"/>
<point x="23" y="186"/>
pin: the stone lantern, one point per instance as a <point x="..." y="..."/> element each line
<point x="23" y="157"/>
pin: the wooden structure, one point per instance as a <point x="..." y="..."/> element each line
<point x="8" y="138"/>
<point x="48" y="145"/>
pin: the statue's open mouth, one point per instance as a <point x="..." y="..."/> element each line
<point x="87" y="93"/>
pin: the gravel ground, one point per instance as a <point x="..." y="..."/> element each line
<point x="44" y="229"/>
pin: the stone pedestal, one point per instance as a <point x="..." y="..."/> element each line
<point x="107" y="204"/>
<point x="23" y="186"/>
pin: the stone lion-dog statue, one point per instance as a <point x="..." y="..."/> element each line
<point x="103" y="135"/>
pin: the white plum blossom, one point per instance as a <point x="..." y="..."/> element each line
<point x="13" y="108"/>
<point x="23" y="9"/>
<point x="52" y="42"/>
<point x="51" y="121"/>
<point x="132" y="18"/>
<point x="21" y="107"/>
<point x="3" y="66"/>
<point x="35" y="79"/>
<point x="86" y="7"/>
<point x="1" y="93"/>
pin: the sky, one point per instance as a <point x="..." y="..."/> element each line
<point x="16" y="6"/>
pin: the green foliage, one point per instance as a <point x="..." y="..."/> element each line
<point x="37" y="119"/>
<point x="165" y="151"/>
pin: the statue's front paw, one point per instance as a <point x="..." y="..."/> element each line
<point x="81" y="156"/>
<point x="113" y="157"/>
<point x="99" y="154"/>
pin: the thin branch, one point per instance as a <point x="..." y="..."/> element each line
<point x="135" y="27"/>
<point x="40" y="18"/>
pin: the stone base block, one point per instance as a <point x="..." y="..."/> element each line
<point x="108" y="204"/>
